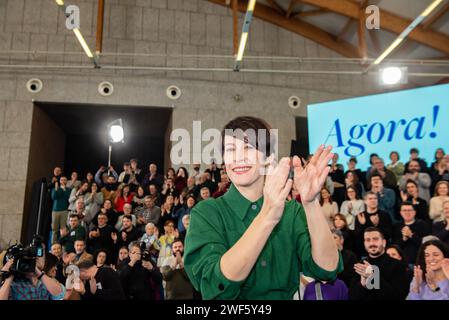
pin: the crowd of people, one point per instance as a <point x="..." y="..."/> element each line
<point x="125" y="232"/>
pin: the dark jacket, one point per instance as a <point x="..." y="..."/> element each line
<point x="109" y="286"/>
<point x="393" y="281"/>
<point x="137" y="280"/>
<point x="411" y="246"/>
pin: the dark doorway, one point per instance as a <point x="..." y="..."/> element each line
<point x="85" y="126"/>
<point x="300" y="146"/>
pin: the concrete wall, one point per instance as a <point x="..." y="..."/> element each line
<point x="164" y="27"/>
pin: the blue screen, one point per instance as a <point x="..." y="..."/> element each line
<point x="396" y="121"/>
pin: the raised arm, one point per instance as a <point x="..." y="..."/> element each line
<point x="308" y="181"/>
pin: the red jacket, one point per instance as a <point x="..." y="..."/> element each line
<point x="120" y="201"/>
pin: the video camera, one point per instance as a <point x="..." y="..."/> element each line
<point x="25" y="257"/>
<point x="145" y="253"/>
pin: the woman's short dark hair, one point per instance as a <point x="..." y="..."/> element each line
<point x="396" y="153"/>
<point x="251" y="124"/>
<point x="398" y="250"/>
<point x="421" y="256"/>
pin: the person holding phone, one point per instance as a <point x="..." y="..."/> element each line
<point x="250" y="243"/>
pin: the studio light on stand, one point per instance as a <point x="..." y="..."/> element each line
<point x="116" y="135"/>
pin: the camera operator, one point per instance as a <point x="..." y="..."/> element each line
<point x="30" y="285"/>
<point x="139" y="275"/>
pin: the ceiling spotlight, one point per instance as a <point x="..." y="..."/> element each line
<point x="393" y="75"/>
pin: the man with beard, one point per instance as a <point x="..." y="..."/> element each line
<point x="102" y="176"/>
<point x="110" y="189"/>
<point x="381" y="277"/>
<point x="421" y="178"/>
<point x="178" y="286"/>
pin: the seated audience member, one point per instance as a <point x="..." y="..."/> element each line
<point x="102" y="177"/>
<point x="337" y="175"/>
<point x="180" y="180"/>
<point x="222" y="186"/>
<point x="395" y="252"/>
<point x="80" y="211"/>
<point x="442" y="174"/>
<point x="190" y="188"/>
<point x="124" y="196"/>
<point x="185" y="223"/>
<point x="436" y="203"/>
<point x="396" y="166"/>
<point x="352" y="163"/>
<point x="109" y="212"/>
<point x="138" y="201"/>
<point x="80" y="252"/>
<point x="166" y="241"/>
<point x="409" y="233"/>
<point x="431" y="276"/>
<point x="178" y="286"/>
<point x="93" y="201"/>
<point x="127" y="212"/>
<point x="76" y="232"/>
<point x="204" y="194"/>
<point x="169" y="188"/>
<point x="185" y="210"/>
<point x="56" y="250"/>
<point x="340" y="223"/>
<point x="136" y="175"/>
<point x="329" y="207"/>
<point x="60" y="196"/>
<point x="372" y="217"/>
<point x="421" y="178"/>
<point x="137" y="275"/>
<point x="434" y="167"/>
<point x="126" y="175"/>
<point x="387" y="280"/>
<point x="441" y="228"/>
<point x="90" y="179"/>
<point x="154" y="193"/>
<point x="100" y="258"/>
<point x="385" y="196"/>
<point x="128" y="233"/>
<point x="151" y="237"/>
<point x="349" y="259"/>
<point x="103" y="236"/>
<point x="109" y="189"/>
<point x="150" y="213"/>
<point x="99" y="283"/>
<point x="414" y="156"/>
<point x="123" y="254"/>
<point x="74" y="183"/>
<point x="412" y="195"/>
<point x="76" y="194"/>
<point x="388" y="178"/>
<point x="351" y="207"/>
<point x="153" y="177"/>
<point x="168" y="211"/>
<point x="352" y="180"/>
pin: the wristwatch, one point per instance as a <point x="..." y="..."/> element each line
<point x="41" y="275"/>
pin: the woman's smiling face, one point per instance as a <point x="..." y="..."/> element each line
<point x="243" y="161"/>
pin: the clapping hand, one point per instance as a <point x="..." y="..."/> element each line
<point x="310" y="178"/>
